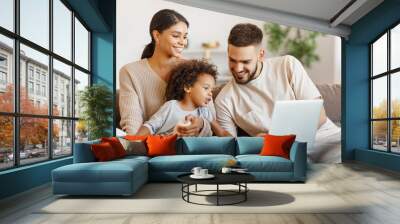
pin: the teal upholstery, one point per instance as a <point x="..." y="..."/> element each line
<point x="248" y="149"/>
<point x="93" y="172"/>
<point x="125" y="176"/>
<point x="207" y="145"/>
<point x="83" y="152"/>
<point x="118" y="177"/>
<point x="184" y="163"/>
<point x="257" y="163"/>
<point x="249" y="145"/>
<point x="298" y="155"/>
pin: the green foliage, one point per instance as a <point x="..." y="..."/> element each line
<point x="96" y="102"/>
<point x="380" y="127"/>
<point x="301" y="44"/>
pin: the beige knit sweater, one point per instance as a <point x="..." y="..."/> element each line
<point x="142" y="93"/>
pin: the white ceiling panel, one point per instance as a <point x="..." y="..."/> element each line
<point x="320" y="9"/>
<point x="327" y="16"/>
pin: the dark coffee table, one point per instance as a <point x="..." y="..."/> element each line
<point x="238" y="179"/>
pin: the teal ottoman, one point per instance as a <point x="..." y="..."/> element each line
<point x="118" y="177"/>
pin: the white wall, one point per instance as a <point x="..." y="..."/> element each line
<point x="328" y="68"/>
<point x="133" y="20"/>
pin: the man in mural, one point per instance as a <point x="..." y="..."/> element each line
<point x="247" y="101"/>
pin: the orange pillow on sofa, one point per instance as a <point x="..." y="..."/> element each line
<point x="116" y="145"/>
<point x="103" y="151"/>
<point x="135" y="137"/>
<point x="277" y="145"/>
<point x="161" y="145"/>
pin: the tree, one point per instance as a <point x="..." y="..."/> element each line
<point x="395" y="124"/>
<point x="6" y="122"/>
<point x="33" y="130"/>
<point x="96" y="102"/>
<point x="380" y="127"/>
<point x="81" y="129"/>
<point x="299" y="43"/>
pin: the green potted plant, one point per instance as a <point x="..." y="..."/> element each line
<point x="96" y="102"/>
<point x="299" y="43"/>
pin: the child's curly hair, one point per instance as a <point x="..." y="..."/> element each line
<point x="185" y="74"/>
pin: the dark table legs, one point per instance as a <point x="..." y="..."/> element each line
<point x="242" y="191"/>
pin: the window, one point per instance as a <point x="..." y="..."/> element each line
<point x="62" y="139"/>
<point x="38" y="89"/>
<point x="41" y="84"/>
<point x="44" y="91"/>
<point x="38" y="74"/>
<point x="62" y="29"/>
<point x="3" y="61"/>
<point x="81" y="45"/>
<point x="55" y="101"/>
<point x="30" y="72"/>
<point x="33" y="150"/>
<point x="3" y="78"/>
<point x="62" y="75"/>
<point x="7" y="14"/>
<point x="7" y="76"/>
<point x="385" y="94"/>
<point x="81" y="81"/>
<point x="3" y="71"/>
<point x="34" y="21"/>
<point x="6" y="143"/>
<point x="30" y="87"/>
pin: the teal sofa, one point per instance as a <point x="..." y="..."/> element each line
<point x="125" y="176"/>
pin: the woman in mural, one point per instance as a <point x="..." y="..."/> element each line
<point x="143" y="83"/>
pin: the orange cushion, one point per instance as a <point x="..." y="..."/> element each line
<point x="277" y="145"/>
<point x="136" y="137"/>
<point x="161" y="145"/>
<point x="103" y="151"/>
<point x="116" y="145"/>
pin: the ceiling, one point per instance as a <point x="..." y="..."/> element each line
<point x="320" y="9"/>
<point x="327" y="16"/>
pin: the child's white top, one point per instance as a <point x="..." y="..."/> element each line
<point x="170" y="114"/>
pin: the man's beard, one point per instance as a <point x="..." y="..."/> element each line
<point x="251" y="76"/>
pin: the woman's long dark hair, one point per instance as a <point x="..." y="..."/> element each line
<point x="161" y="21"/>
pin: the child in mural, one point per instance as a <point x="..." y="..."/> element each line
<point x="188" y="93"/>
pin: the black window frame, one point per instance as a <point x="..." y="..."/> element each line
<point x="16" y="115"/>
<point x="388" y="74"/>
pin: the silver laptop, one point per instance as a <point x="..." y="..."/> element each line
<point x="299" y="117"/>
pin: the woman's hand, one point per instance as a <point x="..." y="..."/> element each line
<point x="193" y="129"/>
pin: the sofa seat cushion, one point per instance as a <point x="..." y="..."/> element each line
<point x="112" y="171"/>
<point x="133" y="158"/>
<point x="257" y="163"/>
<point x="185" y="163"/>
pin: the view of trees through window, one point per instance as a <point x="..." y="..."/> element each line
<point x="40" y="83"/>
<point x="385" y="91"/>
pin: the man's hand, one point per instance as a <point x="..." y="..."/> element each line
<point x="193" y="129"/>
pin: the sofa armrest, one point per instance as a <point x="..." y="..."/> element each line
<point x="83" y="152"/>
<point x="298" y="155"/>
